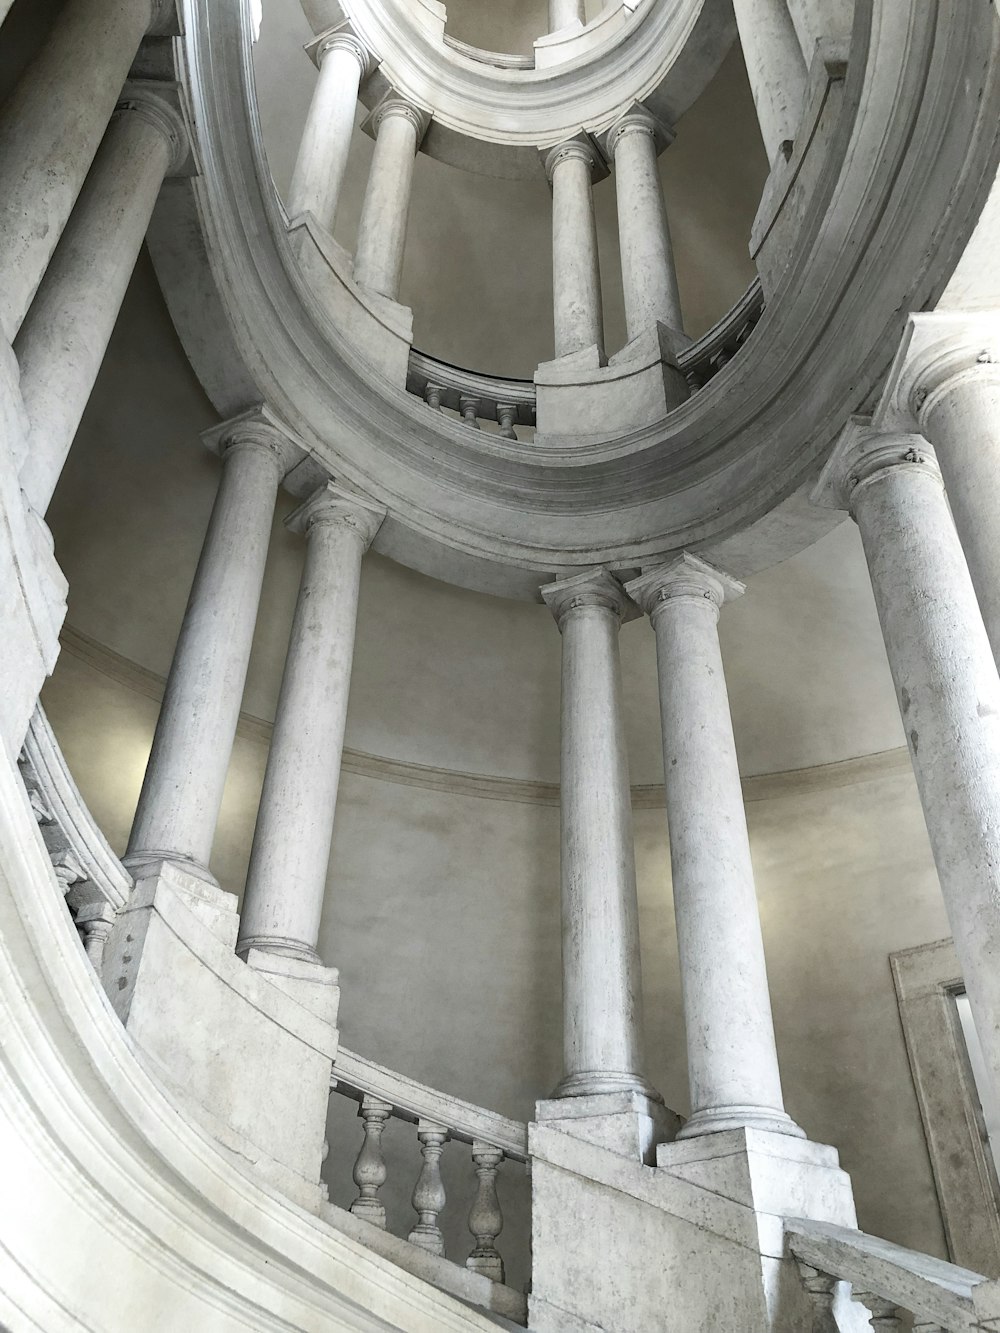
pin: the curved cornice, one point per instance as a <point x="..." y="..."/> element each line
<point x="491" y="786"/>
<point x="910" y="162"/>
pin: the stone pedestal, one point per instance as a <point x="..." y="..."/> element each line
<point x="245" y="1050"/>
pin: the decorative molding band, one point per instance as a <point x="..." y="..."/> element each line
<point x="523" y="791"/>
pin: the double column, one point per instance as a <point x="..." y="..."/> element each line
<point x="602" y="993"/>
<point x="286" y="880"/>
<point x="399" y="127"/>
<point x="946" y="682"/>
<point x="578" y="312"/>
<point x="182" y="790"/>
<point x="732" y="1060"/>
<point x="50" y="130"/>
<point x="649" y="278"/>
<point x="344" y="63"/>
<point x="62" y="342"/>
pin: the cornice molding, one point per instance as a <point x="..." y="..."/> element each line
<point x="493" y="787"/>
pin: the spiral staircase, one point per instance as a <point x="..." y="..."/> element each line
<point x="162" y="1171"/>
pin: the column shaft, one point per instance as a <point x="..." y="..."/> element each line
<point x="326" y="139"/>
<point x="961" y="418"/>
<point x="62" y="342"/>
<point x="378" y="262"/>
<point x="186" y="774"/>
<point x="649" y="278"/>
<point x="602" y="992"/>
<point x="286" y="880"/>
<point x="578" y="313"/>
<point x="564" y="12"/>
<point x="732" y="1060"/>
<point x="50" y="129"/>
<point x="814" y="19"/>
<point x="776" y="69"/>
<point x="949" y="699"/>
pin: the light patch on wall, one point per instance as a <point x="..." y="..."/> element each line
<point x="256" y="17"/>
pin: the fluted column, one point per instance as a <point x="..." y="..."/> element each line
<point x="578" y="312"/>
<point x="946" y="684"/>
<point x="649" y="279"/>
<point x="399" y="126"/>
<point x="958" y="410"/>
<point x="343" y="63"/>
<point x="602" y="993"/>
<point x="62" y="342"/>
<point x="732" y="1061"/>
<point x="182" y="791"/>
<point x="50" y="129"/>
<point x="564" y="12"/>
<point x="286" y="879"/>
<point x="776" y="68"/>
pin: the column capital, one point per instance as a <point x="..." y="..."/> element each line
<point x="864" y="451"/>
<point x="259" y="428"/>
<point x="938" y="349"/>
<point x="637" y="120"/>
<point x="330" y="506"/>
<point x="686" y="576"/>
<point x="396" y="105"/>
<point x="342" y="37"/>
<point x="583" y="148"/>
<point x="145" y="98"/>
<point x="594" y="587"/>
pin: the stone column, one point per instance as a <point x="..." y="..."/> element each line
<point x="564" y="12"/>
<point x="5" y="6"/>
<point x="732" y="1061"/>
<point x="343" y="63"/>
<point x="576" y="277"/>
<point x="959" y="413"/>
<point x="398" y="126"/>
<point x="649" y="278"/>
<point x="946" y="683"/>
<point x="815" y="19"/>
<point x="776" y="68"/>
<point x="602" y="992"/>
<point x="50" y="129"/>
<point x="186" y="773"/>
<point x="62" y="342"/>
<point x="286" y="880"/>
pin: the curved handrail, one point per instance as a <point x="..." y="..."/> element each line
<point x="498" y="59"/>
<point x="358" y="1077"/>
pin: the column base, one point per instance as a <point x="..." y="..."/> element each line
<point x="279" y="947"/>
<point x="628" y="1121"/>
<point x="721" y="1119"/>
<point x="144" y="863"/>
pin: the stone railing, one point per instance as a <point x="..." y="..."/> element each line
<point x="439" y="1118"/>
<point x="95" y="884"/>
<point x="498" y="59"/>
<point x="890" y="1281"/>
<point x="477" y="397"/>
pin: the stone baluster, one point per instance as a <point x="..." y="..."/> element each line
<point x="732" y="1061"/>
<point x="602" y="991"/>
<point x="946" y="684"/>
<point x="822" y="1289"/>
<point x="50" y="129"/>
<point x="370" y="1171"/>
<point x="776" y="68"/>
<point x="95" y="921"/>
<point x="486" y="1217"/>
<point x="399" y="127"/>
<point x="428" y="1194"/>
<point x="62" y="342"/>
<point x="649" y="279"/>
<point x="286" y="880"/>
<point x="432" y="396"/>
<point x="578" y="311"/>
<point x="506" y="416"/>
<point x="469" y="407"/>
<point x="884" y="1314"/>
<point x="186" y="774"/>
<point x="69" y="870"/>
<point x="564" y="12"/>
<point x="344" y="63"/>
